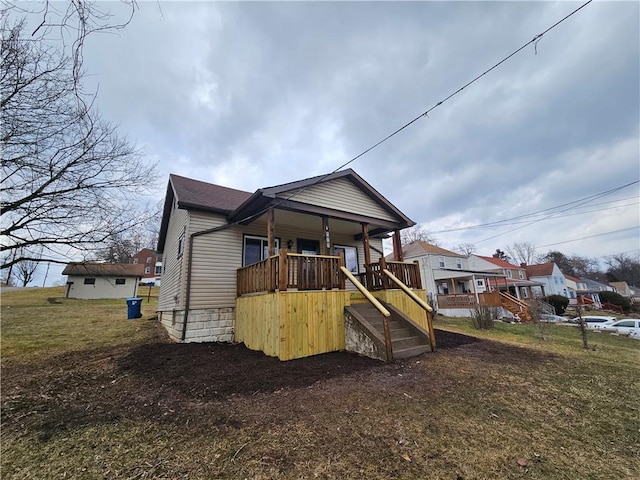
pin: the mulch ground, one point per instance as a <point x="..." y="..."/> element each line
<point x="172" y="382"/>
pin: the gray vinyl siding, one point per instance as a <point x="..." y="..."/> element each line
<point x="104" y="287"/>
<point x="341" y="194"/>
<point x="172" y="286"/>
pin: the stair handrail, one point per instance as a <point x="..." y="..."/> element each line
<point x="515" y="300"/>
<point x="425" y="306"/>
<point x="408" y="291"/>
<point x="374" y="301"/>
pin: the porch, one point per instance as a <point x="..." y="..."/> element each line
<point x="293" y="305"/>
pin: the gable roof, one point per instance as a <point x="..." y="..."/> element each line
<point x="104" y="269"/>
<point x="540" y="270"/>
<point x="499" y="262"/>
<point x="572" y="278"/>
<point x="418" y="247"/>
<point x="244" y="207"/>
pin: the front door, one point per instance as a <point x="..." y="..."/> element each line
<point x="307" y="275"/>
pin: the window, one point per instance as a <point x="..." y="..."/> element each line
<point x="148" y="259"/>
<point x="89" y="281"/>
<point x="181" y="245"/>
<point x="509" y="274"/>
<point x="135" y="260"/>
<point x="480" y="283"/>
<point x="441" y="262"/>
<point x="256" y="249"/>
<point x="350" y="256"/>
<point x="521" y="274"/>
<point x="147" y="270"/>
<point x="158" y="269"/>
<point x="120" y="281"/>
<point x="459" y="264"/>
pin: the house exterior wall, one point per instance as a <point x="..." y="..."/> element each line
<point x="554" y="284"/>
<point x="104" y="287"/>
<point x="352" y="199"/>
<point x="430" y="262"/>
<point x="148" y="258"/>
<point x="172" y="288"/>
<point x="216" y="258"/>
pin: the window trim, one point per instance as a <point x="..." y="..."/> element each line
<point x="121" y="281"/>
<point x="89" y="281"/>
<point x="345" y="247"/>
<point x="441" y="262"/>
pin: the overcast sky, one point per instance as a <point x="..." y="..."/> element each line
<point x="249" y="95"/>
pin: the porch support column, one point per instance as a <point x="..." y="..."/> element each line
<point x="365" y="243"/>
<point x="397" y="246"/>
<point x="271" y="231"/>
<point x="453" y="286"/>
<point x="325" y="245"/>
<point x="475" y="287"/>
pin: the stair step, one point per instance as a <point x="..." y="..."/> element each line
<point x="410" y="351"/>
<point x="406" y="342"/>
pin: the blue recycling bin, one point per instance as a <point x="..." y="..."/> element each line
<point x="134" y="306"/>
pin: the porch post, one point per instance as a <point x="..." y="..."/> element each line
<point x="283" y="273"/>
<point x="365" y="243"/>
<point x="271" y="231"/>
<point x="475" y="287"/>
<point x="325" y="246"/>
<point x="397" y="246"/>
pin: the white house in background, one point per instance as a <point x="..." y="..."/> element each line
<point x="551" y="277"/>
<point x="102" y="280"/>
<point x="514" y="278"/>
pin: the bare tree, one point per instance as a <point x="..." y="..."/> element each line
<point x="69" y="181"/>
<point x="623" y="267"/>
<point x="522" y="252"/>
<point x="466" y="249"/>
<point x="25" y="270"/>
<point x="416" y="233"/>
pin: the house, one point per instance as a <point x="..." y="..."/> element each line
<point x="288" y="269"/>
<point x="550" y="276"/>
<point x="102" y="280"/>
<point x="624" y="289"/>
<point x="514" y="279"/>
<point x="152" y="262"/>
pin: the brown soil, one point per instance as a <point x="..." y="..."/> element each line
<point x="172" y="382"/>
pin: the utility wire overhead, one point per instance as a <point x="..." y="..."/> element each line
<point x="589" y="236"/>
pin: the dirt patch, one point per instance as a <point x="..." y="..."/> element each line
<point x="166" y="381"/>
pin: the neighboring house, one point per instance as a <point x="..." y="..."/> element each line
<point x="626" y="290"/>
<point x="263" y="268"/>
<point x="551" y="278"/>
<point x="514" y="278"/>
<point x="152" y="263"/>
<point x="579" y="294"/>
<point x="454" y="284"/>
<point x="102" y="280"/>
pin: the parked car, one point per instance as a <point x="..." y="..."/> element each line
<point x="595" y="322"/>
<point x="547" y="317"/>
<point x="624" y="326"/>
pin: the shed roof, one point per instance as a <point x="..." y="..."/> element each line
<point x="104" y="269"/>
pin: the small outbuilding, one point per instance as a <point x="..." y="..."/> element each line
<point x="102" y="280"/>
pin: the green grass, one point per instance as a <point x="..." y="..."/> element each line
<point x="519" y="406"/>
<point x="40" y="322"/>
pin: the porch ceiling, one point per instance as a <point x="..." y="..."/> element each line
<point x="462" y="274"/>
<point x="314" y="222"/>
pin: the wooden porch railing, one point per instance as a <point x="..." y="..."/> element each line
<point x="468" y="300"/>
<point x="612" y="307"/>
<point x="375" y="279"/>
<point x="291" y="270"/>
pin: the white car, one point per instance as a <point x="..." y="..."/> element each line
<point x="547" y="317"/>
<point x="624" y="326"/>
<point x="593" y="322"/>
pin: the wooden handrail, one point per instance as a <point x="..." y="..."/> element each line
<point x="424" y="305"/>
<point x="515" y="300"/>
<point x="374" y="301"/>
<point x="408" y="291"/>
<point x="367" y="294"/>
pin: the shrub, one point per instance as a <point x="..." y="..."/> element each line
<point x="616" y="299"/>
<point x="483" y="316"/>
<point x="558" y="302"/>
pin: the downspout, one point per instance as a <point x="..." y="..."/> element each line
<point x="189" y="264"/>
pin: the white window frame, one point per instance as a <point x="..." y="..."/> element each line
<point x="349" y="260"/>
<point x="459" y="264"/>
<point x="441" y="262"/>
<point x="264" y="250"/>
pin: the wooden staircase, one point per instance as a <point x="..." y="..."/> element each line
<point x="515" y="306"/>
<point x="408" y="339"/>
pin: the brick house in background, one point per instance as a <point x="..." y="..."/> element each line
<point x="152" y="263"/>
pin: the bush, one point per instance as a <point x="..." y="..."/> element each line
<point x="616" y="299"/>
<point x="558" y="302"/>
<point x="483" y="316"/>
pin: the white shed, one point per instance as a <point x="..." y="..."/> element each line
<point x="102" y="280"/>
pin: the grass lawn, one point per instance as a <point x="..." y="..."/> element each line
<point x="87" y="393"/>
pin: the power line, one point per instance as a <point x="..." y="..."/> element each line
<point x="590" y="236"/>
<point x="502" y="222"/>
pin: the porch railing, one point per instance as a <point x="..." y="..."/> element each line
<point x="375" y="279"/>
<point x="291" y="270"/>
<point x="468" y="300"/>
